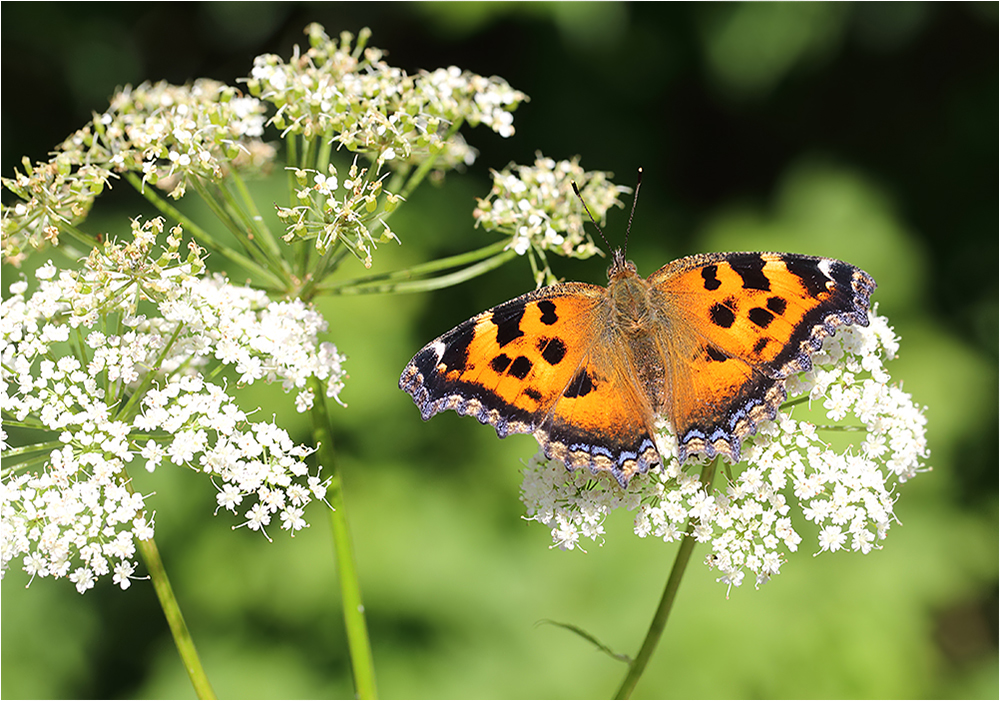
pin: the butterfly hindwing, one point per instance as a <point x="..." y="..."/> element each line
<point x="602" y="420"/>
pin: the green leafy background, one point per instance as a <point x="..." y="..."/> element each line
<point x="866" y="132"/>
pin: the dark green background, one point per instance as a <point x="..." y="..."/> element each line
<point x="866" y="132"/>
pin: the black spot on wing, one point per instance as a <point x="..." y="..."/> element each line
<point x="520" y="367"/>
<point x="532" y="393"/>
<point x="581" y="385"/>
<point x="777" y="305"/>
<point x="553" y="350"/>
<point x="715" y="354"/>
<point x="548" y="309"/>
<point x="708" y="274"/>
<point x="760" y="345"/>
<point x="501" y="363"/>
<point x="508" y="323"/>
<point x="760" y="317"/>
<point x="722" y="315"/>
<point x="751" y="269"/>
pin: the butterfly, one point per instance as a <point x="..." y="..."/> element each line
<point x="705" y="343"/>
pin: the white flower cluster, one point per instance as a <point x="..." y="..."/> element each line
<point x="80" y="360"/>
<point x="170" y="132"/>
<point x="166" y="132"/>
<point x="750" y="524"/>
<point x="354" y="97"/>
<point x="242" y="327"/>
<point x="332" y="211"/>
<point x="51" y="195"/>
<point x="535" y="205"/>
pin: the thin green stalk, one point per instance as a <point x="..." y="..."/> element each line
<point x="307" y="159"/>
<point x="171" y="212"/>
<point x="795" y="402"/>
<point x="291" y="164"/>
<point x="18" y="451"/>
<point x="256" y="220"/>
<point x="323" y="155"/>
<point x="320" y="269"/>
<point x="81" y="236"/>
<point x="125" y="413"/>
<point x="26" y="463"/>
<point x="433" y="266"/>
<point x="659" y="622"/>
<point x="175" y="619"/>
<point x="229" y="216"/>
<point x="425" y="285"/>
<point x="362" y="663"/>
<point x="27" y="422"/>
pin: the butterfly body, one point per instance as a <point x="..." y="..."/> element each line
<point x="704" y="343"/>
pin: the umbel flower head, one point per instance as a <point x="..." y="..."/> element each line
<point x="791" y="473"/>
<point x="350" y="94"/>
<point x="537" y="208"/>
<point x="81" y="360"/>
<point x="171" y="134"/>
<point x="344" y="93"/>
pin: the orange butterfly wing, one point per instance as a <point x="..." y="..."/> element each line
<point x="542" y="364"/>
<point x="739" y="324"/>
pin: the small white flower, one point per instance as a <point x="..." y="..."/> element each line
<point x="123" y="574"/>
<point x="83" y="578"/>
<point x="831" y="538"/>
<point x="291" y="519"/>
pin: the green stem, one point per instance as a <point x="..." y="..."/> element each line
<point x="125" y="413"/>
<point x="659" y="622"/>
<point x="21" y="450"/>
<point x="28" y="422"/>
<point x="795" y="402"/>
<point x="291" y="164"/>
<point x="175" y="619"/>
<point x="323" y="156"/>
<point x="256" y="220"/>
<point x="353" y="287"/>
<point x="25" y="464"/>
<point x="88" y="240"/>
<point x="433" y="266"/>
<point x="229" y="215"/>
<point x="362" y="663"/>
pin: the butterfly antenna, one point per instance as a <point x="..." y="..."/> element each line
<point x="587" y="210"/>
<point x="635" y="200"/>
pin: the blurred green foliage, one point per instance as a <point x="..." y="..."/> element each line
<point x="865" y="132"/>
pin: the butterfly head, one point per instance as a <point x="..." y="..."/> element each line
<point x="620" y="267"/>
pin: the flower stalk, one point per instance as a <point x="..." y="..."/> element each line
<point x="175" y="619"/>
<point x="659" y="622"/>
<point x="362" y="662"/>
